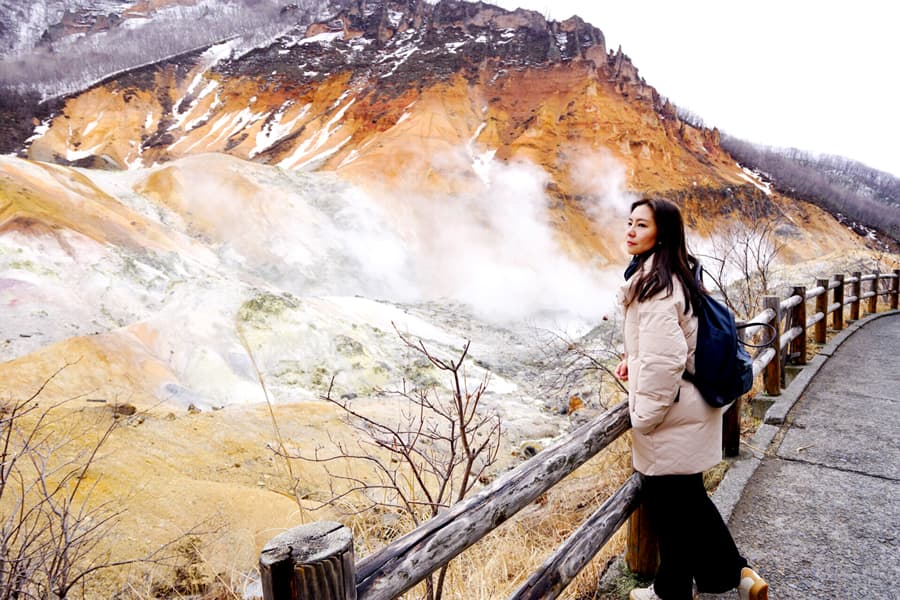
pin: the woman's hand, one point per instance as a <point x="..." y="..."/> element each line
<point x="622" y="370"/>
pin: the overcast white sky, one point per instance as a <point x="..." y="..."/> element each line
<point x="820" y="76"/>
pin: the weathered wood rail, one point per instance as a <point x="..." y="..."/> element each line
<point x="316" y="561"/>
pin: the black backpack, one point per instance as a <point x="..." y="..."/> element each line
<point x="723" y="369"/>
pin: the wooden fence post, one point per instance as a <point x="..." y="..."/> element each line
<point x="310" y="562"/>
<point x="895" y="290"/>
<point x="731" y="422"/>
<point x="838" y="315"/>
<point x="773" y="373"/>
<point x="855" y="290"/>
<point x="822" y="307"/>
<point x="798" y="345"/>
<point x="641" y="549"/>
<point x="873" y="300"/>
<point x="731" y="428"/>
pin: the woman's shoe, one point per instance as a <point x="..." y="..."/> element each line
<point x="646" y="593"/>
<point x="752" y="586"/>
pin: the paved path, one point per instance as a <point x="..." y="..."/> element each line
<point x="820" y="513"/>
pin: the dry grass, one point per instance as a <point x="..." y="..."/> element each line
<point x="504" y="559"/>
<point x="539" y="529"/>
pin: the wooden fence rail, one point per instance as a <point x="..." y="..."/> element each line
<point x="316" y="561"/>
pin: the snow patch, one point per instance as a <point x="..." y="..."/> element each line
<point x="274" y="130"/>
<point x="220" y="52"/>
<point x="349" y="158"/>
<point x="195" y="82"/>
<point x="225" y="127"/>
<point x="481" y="162"/>
<point x="40" y="131"/>
<point x="314" y="143"/>
<point x="359" y="44"/>
<point x="754" y="178"/>
<point x="395" y="17"/>
<point x="477" y="133"/>
<point x="208" y="89"/>
<point x="134" y="22"/>
<point x="92" y="125"/>
<point x="181" y="116"/>
<point x="399" y="56"/>
<point x="137" y="163"/>
<point x="321" y="38"/>
<point x="75" y="155"/>
<point x="340" y="100"/>
<point x="321" y="157"/>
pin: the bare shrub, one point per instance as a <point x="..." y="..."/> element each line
<point x="742" y="263"/>
<point x="439" y="449"/>
<point x="580" y="367"/>
<point x="53" y="536"/>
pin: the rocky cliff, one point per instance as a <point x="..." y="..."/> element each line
<point x="410" y="94"/>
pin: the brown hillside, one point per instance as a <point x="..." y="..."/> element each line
<point x="406" y="126"/>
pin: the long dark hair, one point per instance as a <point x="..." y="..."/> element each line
<point x="671" y="258"/>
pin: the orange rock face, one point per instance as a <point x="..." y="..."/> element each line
<point x="568" y="119"/>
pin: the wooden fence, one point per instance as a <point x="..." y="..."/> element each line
<point x="316" y="561"/>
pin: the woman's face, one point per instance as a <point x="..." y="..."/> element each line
<point x="641" y="234"/>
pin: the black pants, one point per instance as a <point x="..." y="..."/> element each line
<point x="694" y="542"/>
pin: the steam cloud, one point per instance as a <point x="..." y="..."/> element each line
<point x="492" y="248"/>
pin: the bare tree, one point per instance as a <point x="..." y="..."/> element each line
<point x="576" y="364"/>
<point x="439" y="449"/>
<point x="691" y="118"/>
<point x="51" y="531"/>
<point x="740" y="267"/>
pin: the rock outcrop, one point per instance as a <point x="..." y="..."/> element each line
<point x="384" y="83"/>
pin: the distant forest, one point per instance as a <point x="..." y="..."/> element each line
<point x="75" y="62"/>
<point x="861" y="197"/>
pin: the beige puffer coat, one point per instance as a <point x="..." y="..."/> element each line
<point x="668" y="437"/>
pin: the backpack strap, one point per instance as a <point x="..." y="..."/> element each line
<point x="765" y="344"/>
<point x="698" y="277"/>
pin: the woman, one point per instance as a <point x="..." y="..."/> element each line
<point x="676" y="435"/>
